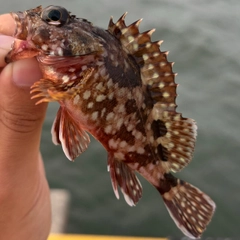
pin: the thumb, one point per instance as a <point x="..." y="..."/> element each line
<point x="20" y="119"/>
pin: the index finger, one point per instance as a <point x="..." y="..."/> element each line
<point x="5" y="47"/>
<point x="7" y="25"/>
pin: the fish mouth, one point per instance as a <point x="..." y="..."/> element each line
<point x="22" y="47"/>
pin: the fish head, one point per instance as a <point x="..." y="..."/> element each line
<point x="52" y="31"/>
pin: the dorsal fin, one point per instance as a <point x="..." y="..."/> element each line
<point x="159" y="79"/>
<point x="156" y="71"/>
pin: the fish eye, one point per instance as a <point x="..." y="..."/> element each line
<point x="55" y="15"/>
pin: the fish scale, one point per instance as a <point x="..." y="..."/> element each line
<point x="117" y="85"/>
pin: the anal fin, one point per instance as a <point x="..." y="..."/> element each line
<point x="126" y="179"/>
<point x="68" y="133"/>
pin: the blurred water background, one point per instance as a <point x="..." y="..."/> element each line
<point x="203" y="38"/>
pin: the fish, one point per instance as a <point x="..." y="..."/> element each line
<point x="117" y="85"/>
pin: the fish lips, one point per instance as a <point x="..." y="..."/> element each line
<point x="21" y="49"/>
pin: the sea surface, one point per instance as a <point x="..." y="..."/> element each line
<point x="203" y="38"/>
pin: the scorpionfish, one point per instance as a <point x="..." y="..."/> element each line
<point x="117" y="85"/>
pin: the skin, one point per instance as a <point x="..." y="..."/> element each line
<point x="24" y="191"/>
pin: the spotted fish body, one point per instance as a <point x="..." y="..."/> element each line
<point x="118" y="86"/>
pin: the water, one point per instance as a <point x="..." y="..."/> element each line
<point x="203" y="38"/>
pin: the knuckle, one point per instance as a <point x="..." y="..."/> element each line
<point x="19" y="121"/>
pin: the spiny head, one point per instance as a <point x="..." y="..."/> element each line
<point x="66" y="48"/>
<point x="53" y="31"/>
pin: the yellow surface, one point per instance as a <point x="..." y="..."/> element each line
<point x="95" y="237"/>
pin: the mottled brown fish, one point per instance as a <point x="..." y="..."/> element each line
<point x="118" y="86"/>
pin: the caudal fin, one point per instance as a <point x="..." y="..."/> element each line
<point x="190" y="208"/>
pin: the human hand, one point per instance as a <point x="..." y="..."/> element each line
<point x="24" y="192"/>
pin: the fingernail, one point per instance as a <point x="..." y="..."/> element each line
<point x="6" y="42"/>
<point x="26" y="72"/>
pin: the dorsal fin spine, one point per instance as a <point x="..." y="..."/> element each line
<point x="156" y="70"/>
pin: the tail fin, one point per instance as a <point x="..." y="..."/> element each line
<point x="190" y="208"/>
